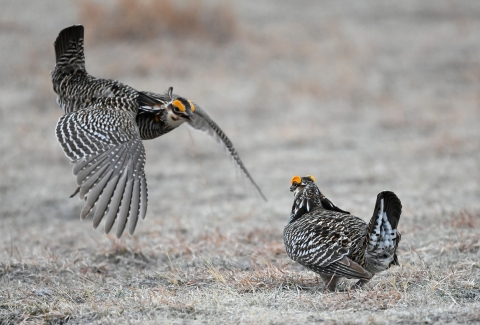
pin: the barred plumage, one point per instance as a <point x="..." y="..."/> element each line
<point x="104" y="144"/>
<point x="336" y="244"/>
<point x="102" y="130"/>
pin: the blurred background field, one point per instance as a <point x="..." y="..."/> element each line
<point x="364" y="95"/>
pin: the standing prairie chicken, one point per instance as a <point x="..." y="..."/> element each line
<point x="336" y="244"/>
<point x="102" y="130"/>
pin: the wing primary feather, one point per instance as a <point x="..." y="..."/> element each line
<point x="124" y="208"/>
<point x="203" y="122"/>
<point x="92" y="196"/>
<point x="104" y="200"/>
<point x="353" y="270"/>
<point x="115" y="201"/>
<point x="135" y="204"/>
<point x="79" y="165"/>
<point x="117" y="195"/>
<point x="143" y="197"/>
<point x="126" y="200"/>
<point x="85" y="171"/>
<point x="344" y="267"/>
<point x="87" y="185"/>
<point x="120" y="154"/>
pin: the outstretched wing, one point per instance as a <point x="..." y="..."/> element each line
<point x="104" y="145"/>
<point x="203" y="122"/>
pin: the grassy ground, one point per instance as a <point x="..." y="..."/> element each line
<point x="364" y="95"/>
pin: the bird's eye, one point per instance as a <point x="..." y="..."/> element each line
<point x="296" y="180"/>
<point x="178" y="106"/>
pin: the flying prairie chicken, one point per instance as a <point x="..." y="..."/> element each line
<point x="334" y="243"/>
<point x="102" y="131"/>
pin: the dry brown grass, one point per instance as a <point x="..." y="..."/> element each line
<point x="115" y="286"/>
<point x="148" y="19"/>
<point x="465" y="219"/>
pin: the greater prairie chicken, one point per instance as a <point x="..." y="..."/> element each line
<point x="334" y="243"/>
<point x="102" y="130"/>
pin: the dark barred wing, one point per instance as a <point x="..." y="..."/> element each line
<point x="333" y="260"/>
<point x="203" y="122"/>
<point x="311" y="241"/>
<point x="105" y="147"/>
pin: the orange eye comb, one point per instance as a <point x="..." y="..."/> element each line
<point x="178" y="104"/>
<point x="311" y="177"/>
<point x="296" y="180"/>
<point x="192" y="106"/>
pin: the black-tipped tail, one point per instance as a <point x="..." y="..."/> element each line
<point x="70" y="38"/>
<point x="383" y="236"/>
<point x="391" y="206"/>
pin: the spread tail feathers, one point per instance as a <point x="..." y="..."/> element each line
<point x="69" y="47"/>
<point x="383" y="237"/>
<point x="392" y="207"/>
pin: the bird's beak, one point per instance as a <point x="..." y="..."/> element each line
<point x="189" y="117"/>
<point x="296" y="188"/>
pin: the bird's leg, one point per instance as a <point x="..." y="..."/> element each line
<point x="360" y="283"/>
<point x="330" y="281"/>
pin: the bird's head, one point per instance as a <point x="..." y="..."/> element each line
<point x="306" y="194"/>
<point x="308" y="197"/>
<point x="298" y="183"/>
<point x="179" y="109"/>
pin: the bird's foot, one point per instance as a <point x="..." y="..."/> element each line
<point x="360" y="284"/>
